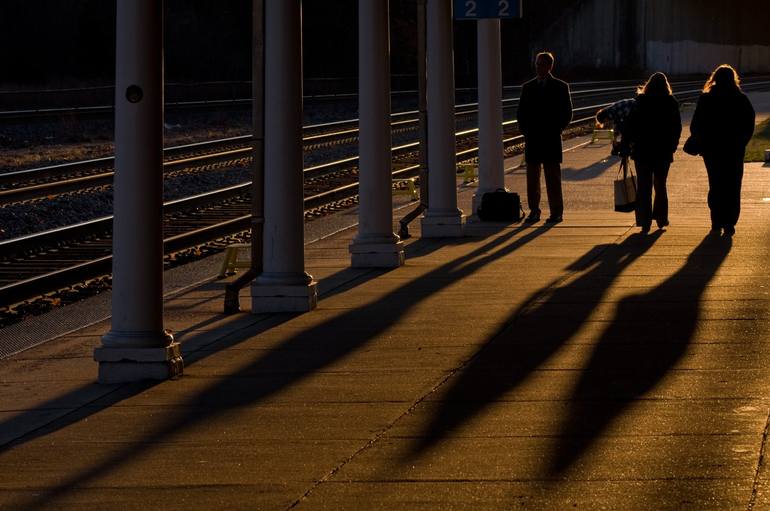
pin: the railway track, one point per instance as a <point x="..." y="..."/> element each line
<point x="201" y="157"/>
<point x="43" y="263"/>
<point x="18" y="104"/>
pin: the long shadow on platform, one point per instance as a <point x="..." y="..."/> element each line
<point x="346" y="279"/>
<point x="533" y="333"/>
<point x="645" y="340"/>
<point x="91" y="399"/>
<point x="69" y="408"/>
<point x="593" y="171"/>
<point x="279" y="368"/>
<point x="413" y="250"/>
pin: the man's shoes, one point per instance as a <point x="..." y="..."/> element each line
<point x="729" y="230"/>
<point x="662" y="223"/>
<point x="715" y="229"/>
<point x="554" y="219"/>
<point x="534" y="216"/>
<point x="645" y="228"/>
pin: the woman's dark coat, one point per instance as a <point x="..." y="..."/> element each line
<point x="544" y="111"/>
<point x="654" y="128"/>
<point x="723" y="122"/>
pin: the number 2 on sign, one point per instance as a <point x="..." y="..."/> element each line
<point x="470" y="8"/>
<point x="504" y="6"/>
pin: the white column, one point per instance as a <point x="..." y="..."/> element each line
<point x="283" y="285"/>
<point x="490" y="97"/>
<point x="137" y="347"/>
<point x="442" y="218"/>
<point x="376" y="246"/>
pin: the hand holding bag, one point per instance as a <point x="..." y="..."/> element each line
<point x="625" y="188"/>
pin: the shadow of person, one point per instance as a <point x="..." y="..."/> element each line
<point x="532" y="334"/>
<point x="592" y="171"/>
<point x="646" y="339"/>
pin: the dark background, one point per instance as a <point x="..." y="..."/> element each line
<point x="55" y="43"/>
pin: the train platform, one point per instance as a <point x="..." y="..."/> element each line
<point x="579" y="365"/>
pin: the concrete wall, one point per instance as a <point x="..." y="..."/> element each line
<point x="674" y="36"/>
<point x="691" y="36"/>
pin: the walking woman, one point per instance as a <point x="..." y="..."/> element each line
<point x="653" y="130"/>
<point x="722" y="125"/>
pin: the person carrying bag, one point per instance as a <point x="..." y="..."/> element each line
<point x="654" y="129"/>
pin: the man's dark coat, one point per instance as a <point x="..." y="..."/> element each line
<point x="545" y="110"/>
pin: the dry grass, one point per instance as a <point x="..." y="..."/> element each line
<point x="50" y="154"/>
<point x="40" y="156"/>
<point x="755" y="151"/>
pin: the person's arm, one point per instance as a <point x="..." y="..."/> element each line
<point x="603" y="115"/>
<point x="749" y="119"/>
<point x="522" y="113"/>
<point x="630" y="126"/>
<point x="696" y="124"/>
<point x="625" y="109"/>
<point x="566" y="108"/>
<point x="676" y="126"/>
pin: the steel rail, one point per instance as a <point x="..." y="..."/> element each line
<point x="100" y="110"/>
<point x="41" y="284"/>
<point x="104" y="109"/>
<point x="52" y="171"/>
<point x="315" y="171"/>
<point x="105" y="179"/>
<point x="16" y="246"/>
<point x="19" y="291"/>
<point x="26" y="193"/>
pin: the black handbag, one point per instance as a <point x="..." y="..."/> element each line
<point x="691" y="146"/>
<point x="500" y="206"/>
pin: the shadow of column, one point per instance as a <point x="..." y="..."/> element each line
<point x="280" y="368"/>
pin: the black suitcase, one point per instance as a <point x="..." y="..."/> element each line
<point x="500" y="206"/>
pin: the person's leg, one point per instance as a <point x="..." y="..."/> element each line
<point x="713" y="198"/>
<point x="660" y="206"/>
<point x="734" y="180"/>
<point x="643" y="195"/>
<point x="533" y="188"/>
<point x="552" y="173"/>
<point x="726" y="174"/>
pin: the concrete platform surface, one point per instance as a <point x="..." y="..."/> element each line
<point x="581" y="365"/>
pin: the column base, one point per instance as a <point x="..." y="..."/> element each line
<point x="124" y="365"/>
<point x="475" y="205"/>
<point x="376" y="255"/>
<point x="439" y="226"/>
<point x="283" y="298"/>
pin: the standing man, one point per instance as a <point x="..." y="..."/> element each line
<point x="545" y="110"/>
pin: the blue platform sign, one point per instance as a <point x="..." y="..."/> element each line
<point x="478" y="9"/>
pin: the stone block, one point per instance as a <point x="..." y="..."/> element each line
<point x="450" y="226"/>
<point x="127" y="371"/>
<point x="377" y="255"/>
<point x="108" y="354"/>
<point x="298" y="298"/>
<point x="123" y="365"/>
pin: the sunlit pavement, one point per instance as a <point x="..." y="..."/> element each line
<point x="527" y="366"/>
